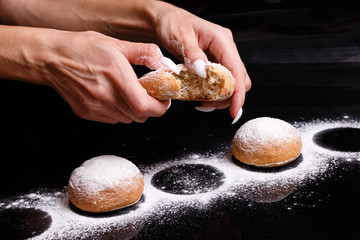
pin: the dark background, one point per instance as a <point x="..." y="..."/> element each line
<point x="304" y="61"/>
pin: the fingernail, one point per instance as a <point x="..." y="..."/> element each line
<point x="237" y="116"/>
<point x="169" y="104"/>
<point x="199" y="68"/>
<point x="205" y="109"/>
<point x="170" y="64"/>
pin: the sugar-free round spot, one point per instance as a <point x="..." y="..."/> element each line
<point x="188" y="179"/>
<point x="23" y="223"/>
<point x="344" y="139"/>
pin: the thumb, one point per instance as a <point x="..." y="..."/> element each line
<point x="147" y="54"/>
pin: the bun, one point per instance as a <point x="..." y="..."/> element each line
<point x="105" y="183"/>
<point x="218" y="85"/>
<point x="266" y="142"/>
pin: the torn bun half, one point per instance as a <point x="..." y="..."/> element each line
<point x="218" y="85"/>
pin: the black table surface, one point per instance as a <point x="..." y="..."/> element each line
<point x="296" y="77"/>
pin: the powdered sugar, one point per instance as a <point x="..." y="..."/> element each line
<point x="101" y="173"/>
<point x="309" y="129"/>
<point x="240" y="182"/>
<point x="170" y="65"/>
<point x="69" y="224"/>
<point x="258" y="133"/>
<point x="148" y="62"/>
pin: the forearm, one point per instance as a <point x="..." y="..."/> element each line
<point x="125" y="19"/>
<point x="22" y="53"/>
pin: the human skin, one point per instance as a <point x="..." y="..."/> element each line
<point x="92" y="72"/>
<point x="140" y="20"/>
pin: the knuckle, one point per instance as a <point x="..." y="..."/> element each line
<point x="126" y="121"/>
<point x="190" y="49"/>
<point x="248" y="85"/>
<point x="141" y="109"/>
<point x="100" y="93"/>
<point x="227" y="32"/>
<point x="152" y="49"/>
<point x="142" y="119"/>
<point x="192" y="53"/>
<point x="113" y="122"/>
<point x="82" y="112"/>
<point x="91" y="33"/>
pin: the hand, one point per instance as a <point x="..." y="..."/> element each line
<point x="92" y="73"/>
<point x="181" y="33"/>
<point x="192" y="38"/>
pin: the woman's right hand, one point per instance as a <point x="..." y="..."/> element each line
<point x="195" y="40"/>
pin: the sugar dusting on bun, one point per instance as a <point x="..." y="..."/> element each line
<point x="266" y="142"/>
<point x="105" y="183"/>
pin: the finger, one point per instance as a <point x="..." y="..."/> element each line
<point x="247" y="83"/>
<point x="108" y="105"/>
<point x="191" y="48"/>
<point x="229" y="57"/>
<point x="120" y="109"/>
<point x="147" y="54"/>
<point x="104" y="115"/>
<point x="194" y="57"/>
<point x="135" y="96"/>
<point x="237" y="100"/>
<point x="91" y="111"/>
<point x="113" y="112"/>
<point x="216" y="105"/>
<point x="104" y="118"/>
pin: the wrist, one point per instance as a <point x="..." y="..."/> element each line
<point x="130" y="20"/>
<point x="5" y="11"/>
<point x="126" y="19"/>
<point x="166" y="19"/>
<point x="25" y="54"/>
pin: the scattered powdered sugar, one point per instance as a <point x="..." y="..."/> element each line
<point x="240" y="181"/>
<point x="69" y="224"/>
<point x="309" y="129"/>
<point x="148" y="62"/>
<point x="223" y="68"/>
<point x="101" y="173"/>
<point x="164" y="82"/>
<point x="170" y="65"/>
<point x="177" y="46"/>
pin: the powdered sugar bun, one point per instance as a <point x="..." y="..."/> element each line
<point x="219" y="84"/>
<point x="105" y="183"/>
<point x="266" y="142"/>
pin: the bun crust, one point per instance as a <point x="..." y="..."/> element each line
<point x="266" y="142"/>
<point x="218" y="85"/>
<point x="105" y="183"/>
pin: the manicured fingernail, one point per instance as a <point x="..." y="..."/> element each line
<point x="237" y="116"/>
<point x="170" y="64"/>
<point x="169" y="105"/>
<point x="205" y="109"/>
<point x="199" y="68"/>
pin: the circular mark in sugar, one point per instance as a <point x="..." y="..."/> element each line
<point x="188" y="179"/>
<point x="345" y="139"/>
<point x="23" y="223"/>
